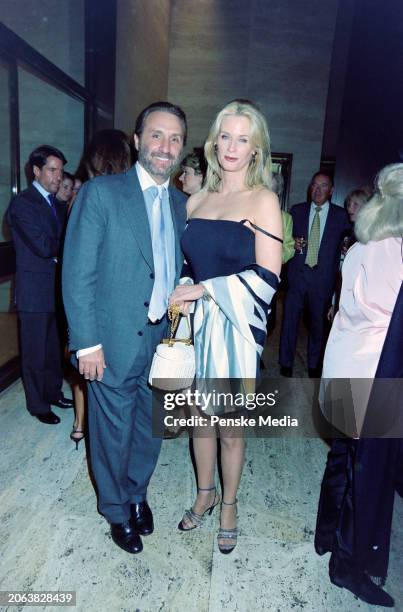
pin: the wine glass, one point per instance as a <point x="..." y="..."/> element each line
<point x="303" y="244"/>
<point x="345" y="245"/>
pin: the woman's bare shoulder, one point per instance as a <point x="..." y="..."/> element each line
<point x="265" y="202"/>
<point x="195" y="201"/>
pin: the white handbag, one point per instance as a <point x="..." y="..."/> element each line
<point x="173" y="365"/>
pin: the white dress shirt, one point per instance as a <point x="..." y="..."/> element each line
<point x="42" y="191"/>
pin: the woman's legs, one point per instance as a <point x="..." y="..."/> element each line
<point x="232" y="460"/>
<point x="205" y="453"/>
<point x="79" y="393"/>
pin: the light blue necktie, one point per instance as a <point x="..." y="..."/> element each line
<point x="159" y="296"/>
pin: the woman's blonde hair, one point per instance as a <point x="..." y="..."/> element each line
<point x="382" y="216"/>
<point x="360" y="195"/>
<point x="259" y="170"/>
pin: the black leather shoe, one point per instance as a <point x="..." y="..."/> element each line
<point x="142" y="518"/>
<point x="361" y="585"/>
<point x="50" y="418"/>
<point x="126" y="536"/>
<point x="314" y="372"/>
<point x="64" y="402"/>
<point x="286" y="371"/>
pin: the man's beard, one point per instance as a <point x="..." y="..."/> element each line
<point x="146" y="160"/>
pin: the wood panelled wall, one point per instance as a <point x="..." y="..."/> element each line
<point x="142" y="57"/>
<point x="275" y="52"/>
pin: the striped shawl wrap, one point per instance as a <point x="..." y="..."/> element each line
<point x="230" y="323"/>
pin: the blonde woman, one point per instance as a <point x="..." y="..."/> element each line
<point x="233" y="249"/>
<point x="354" y="201"/>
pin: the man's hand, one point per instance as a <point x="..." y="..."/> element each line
<point x="299" y="244"/>
<point x="92" y="365"/>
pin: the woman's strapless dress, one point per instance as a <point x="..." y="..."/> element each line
<point x="216" y="247"/>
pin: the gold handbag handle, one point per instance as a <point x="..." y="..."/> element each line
<point x="174" y="315"/>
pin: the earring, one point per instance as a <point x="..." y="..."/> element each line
<point x="215" y="148"/>
<point x="253" y="159"/>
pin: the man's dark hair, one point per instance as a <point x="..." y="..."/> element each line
<point x="326" y="174"/>
<point x="196" y="160"/>
<point x="165" y="107"/>
<point x="39" y="156"/>
<point x="108" y="152"/>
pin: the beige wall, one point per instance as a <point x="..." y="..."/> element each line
<point x="275" y="52"/>
<point x="142" y="57"/>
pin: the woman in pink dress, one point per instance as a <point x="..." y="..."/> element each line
<point x="356" y="502"/>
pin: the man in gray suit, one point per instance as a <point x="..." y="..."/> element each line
<point x="122" y="260"/>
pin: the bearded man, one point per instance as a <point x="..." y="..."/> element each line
<point x="122" y="260"/>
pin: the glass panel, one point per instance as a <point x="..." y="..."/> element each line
<point x="5" y="169"/>
<point x="55" y="29"/>
<point x="8" y="321"/>
<point x="49" y="116"/>
<point x="8" y="318"/>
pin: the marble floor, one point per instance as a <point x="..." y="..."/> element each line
<point x="52" y="537"/>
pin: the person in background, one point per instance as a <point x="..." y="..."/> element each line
<point x="319" y="227"/>
<point x="37" y="222"/>
<point x="65" y="191"/>
<point x="76" y="189"/>
<point x="357" y="493"/>
<point x="354" y="200"/>
<point x="353" y="203"/>
<point x="194" y="169"/>
<point x="288" y="239"/>
<point x="108" y="152"/>
<point x="287" y="250"/>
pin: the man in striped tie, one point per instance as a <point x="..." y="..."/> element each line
<point x="37" y="221"/>
<point x="318" y="227"/>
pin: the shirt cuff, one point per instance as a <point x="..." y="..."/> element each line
<point x="87" y="351"/>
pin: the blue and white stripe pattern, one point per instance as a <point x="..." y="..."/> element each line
<point x="230" y="323"/>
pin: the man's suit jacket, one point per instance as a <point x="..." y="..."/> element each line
<point x="37" y="236"/>
<point x="108" y="269"/>
<point x="337" y="224"/>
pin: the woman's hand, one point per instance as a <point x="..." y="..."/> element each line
<point x="330" y="314"/>
<point x="185" y="295"/>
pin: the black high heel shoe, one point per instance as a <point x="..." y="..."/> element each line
<point x="75" y="439"/>
<point x="193" y="518"/>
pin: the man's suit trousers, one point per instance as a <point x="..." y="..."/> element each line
<point x="123" y="451"/>
<point x="41" y="360"/>
<point x="304" y="291"/>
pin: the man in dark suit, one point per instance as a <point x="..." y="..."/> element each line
<point x="318" y="227"/>
<point x="37" y="221"/>
<point x="122" y="258"/>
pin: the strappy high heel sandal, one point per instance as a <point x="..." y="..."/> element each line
<point x="227" y="534"/>
<point x="75" y="438"/>
<point x="193" y="518"/>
